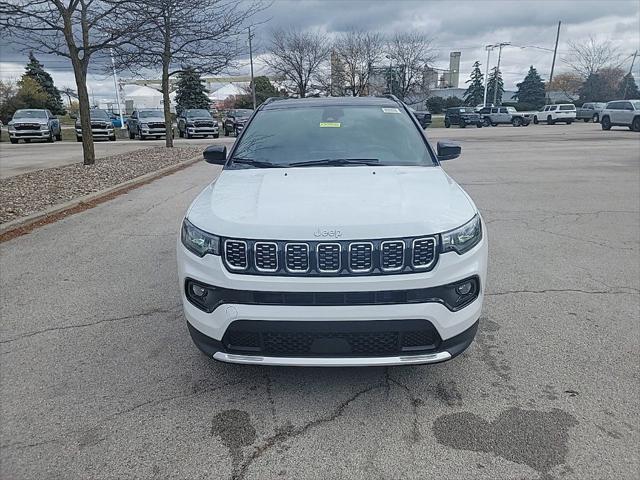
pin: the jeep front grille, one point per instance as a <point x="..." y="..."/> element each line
<point x="339" y="258"/>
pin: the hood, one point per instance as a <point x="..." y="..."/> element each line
<point x="151" y="119"/>
<point x="360" y="202"/>
<point x="201" y="118"/>
<point x="18" y="121"/>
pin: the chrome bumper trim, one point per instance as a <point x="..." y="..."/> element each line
<point x="333" y="362"/>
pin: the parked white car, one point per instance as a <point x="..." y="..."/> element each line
<point x="621" y="113"/>
<point x="563" y="112"/>
<point x="332" y="237"/>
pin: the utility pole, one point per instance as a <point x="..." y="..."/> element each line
<point x="495" y="87"/>
<point x="253" y="83"/>
<point x="553" y="63"/>
<point x="115" y="84"/>
<point x="486" y="73"/>
<point x="626" y="84"/>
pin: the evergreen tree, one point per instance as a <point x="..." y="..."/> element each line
<point x="495" y="87"/>
<point x="190" y="91"/>
<point x="531" y="90"/>
<point x="628" y="89"/>
<point x="475" y="92"/>
<point x="35" y="70"/>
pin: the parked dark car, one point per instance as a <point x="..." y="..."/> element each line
<point x="462" y="116"/>
<point x="235" y="120"/>
<point x="101" y="126"/>
<point x="197" y="122"/>
<point x="423" y="117"/>
<point x="493" y="116"/>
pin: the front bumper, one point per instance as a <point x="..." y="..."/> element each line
<point x="153" y="132"/>
<point x="202" y="130"/>
<point x="98" y="133"/>
<point x="28" y="133"/>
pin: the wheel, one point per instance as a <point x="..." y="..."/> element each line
<point x="479" y="125"/>
<point x="142" y="137"/>
<point x="447" y="123"/>
<point x="462" y="123"/>
<point x="606" y="123"/>
<point x="586" y="120"/>
<point x="596" y="118"/>
<point x="13" y="140"/>
<point x="50" y="138"/>
<point x="569" y="122"/>
<point x="550" y="120"/>
<point x="635" y="125"/>
<point x="486" y="122"/>
<point x="180" y="133"/>
<point x="112" y="139"/>
<point x="78" y="139"/>
<point x="226" y="132"/>
<point x="535" y="120"/>
<point x="516" y="122"/>
<point x="187" y="134"/>
<point x="132" y="135"/>
<point x="59" y="137"/>
<point x="216" y="135"/>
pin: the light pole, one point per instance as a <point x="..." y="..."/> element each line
<point x="486" y="73"/>
<point x="115" y="84"/>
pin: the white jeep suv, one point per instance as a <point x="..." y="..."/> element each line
<point x="332" y="237"/>
<point x="622" y="113"/>
<point x="563" y="112"/>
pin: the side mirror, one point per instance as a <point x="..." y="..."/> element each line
<point x="448" y="150"/>
<point x="215" y="154"/>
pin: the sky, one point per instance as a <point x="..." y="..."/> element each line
<point x="454" y="25"/>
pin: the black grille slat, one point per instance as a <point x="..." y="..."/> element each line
<point x="297" y="257"/>
<point x="424" y="252"/>
<point x="203" y="124"/>
<point x="266" y="256"/>
<point x="392" y="255"/>
<point x="329" y="257"/>
<point x="156" y="125"/>
<point x="360" y="257"/>
<point x="235" y="252"/>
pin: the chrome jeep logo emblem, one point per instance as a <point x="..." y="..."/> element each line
<point x="325" y="233"/>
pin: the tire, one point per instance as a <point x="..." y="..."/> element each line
<point x="586" y="120"/>
<point x="486" y="122"/>
<point x="535" y="120"/>
<point x="13" y="140"/>
<point x="180" y="133"/>
<point x="596" y="118"/>
<point x="78" y="139"/>
<point x="142" y="137"/>
<point x="59" y="137"/>
<point x="447" y="123"/>
<point x="550" y="120"/>
<point x="606" y="123"/>
<point x="569" y="122"/>
<point x="516" y="122"/>
<point x="635" y="125"/>
<point x="112" y="139"/>
<point x="51" y="138"/>
<point x="132" y="136"/>
<point x="479" y="125"/>
<point x="462" y="124"/>
<point x="216" y="135"/>
<point x="187" y="135"/>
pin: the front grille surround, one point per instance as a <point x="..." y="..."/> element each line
<point x="331" y="259"/>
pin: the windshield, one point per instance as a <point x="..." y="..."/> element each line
<point x="150" y="114"/>
<point x="243" y="112"/>
<point x="282" y="137"/>
<point x="198" y="112"/>
<point x="636" y="104"/>
<point x="99" y="115"/>
<point x="467" y="110"/>
<point x="30" y="114"/>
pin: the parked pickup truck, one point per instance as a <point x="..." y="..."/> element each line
<point x="423" y="117"/>
<point x="146" y="123"/>
<point x="31" y="124"/>
<point x="590" y="111"/>
<point x="101" y="126"/>
<point x="197" y="121"/>
<point x="492" y="116"/>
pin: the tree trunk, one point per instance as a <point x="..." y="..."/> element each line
<point x="166" y="101"/>
<point x="84" y="112"/>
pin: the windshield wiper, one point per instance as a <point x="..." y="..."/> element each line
<point x="337" y="161"/>
<point x="256" y="163"/>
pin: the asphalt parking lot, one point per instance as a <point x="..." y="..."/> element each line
<point x="100" y="379"/>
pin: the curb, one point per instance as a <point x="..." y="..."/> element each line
<point x="24" y="225"/>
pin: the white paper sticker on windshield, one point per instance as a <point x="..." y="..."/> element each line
<point x="391" y="110"/>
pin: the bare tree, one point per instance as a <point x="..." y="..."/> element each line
<point x="298" y="56"/>
<point x="412" y="52"/>
<point x="587" y="58"/>
<point x="203" y="33"/>
<point x="568" y="83"/>
<point x="358" y="52"/>
<point x="75" y="29"/>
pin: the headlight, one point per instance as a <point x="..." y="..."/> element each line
<point x="199" y="242"/>
<point x="144" y="125"/>
<point x="463" y="238"/>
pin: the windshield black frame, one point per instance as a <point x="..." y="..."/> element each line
<point x="431" y="154"/>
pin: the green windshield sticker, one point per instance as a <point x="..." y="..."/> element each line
<point x="390" y="110"/>
<point x="329" y="124"/>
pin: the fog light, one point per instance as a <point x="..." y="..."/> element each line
<point x="198" y="291"/>
<point x="464" y="288"/>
